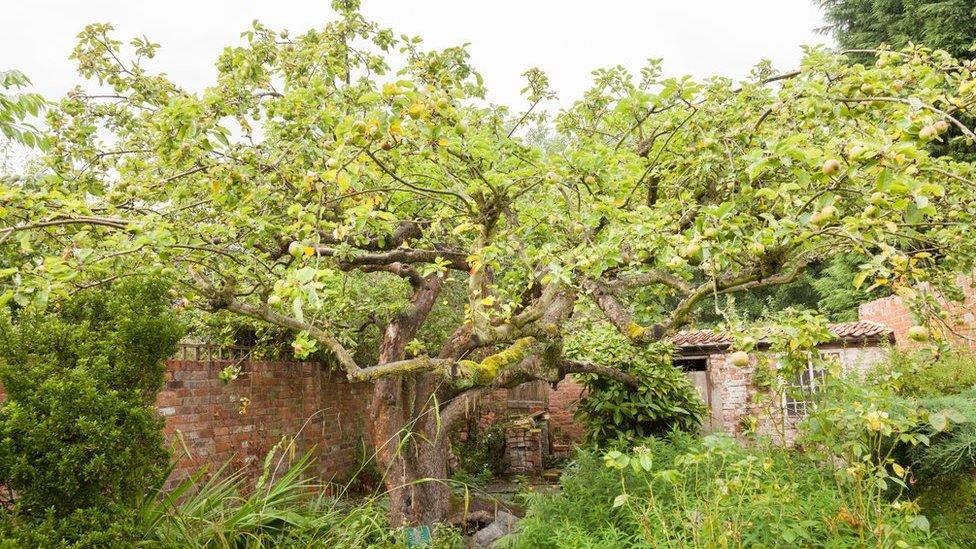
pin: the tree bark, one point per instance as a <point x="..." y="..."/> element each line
<point x="413" y="459"/>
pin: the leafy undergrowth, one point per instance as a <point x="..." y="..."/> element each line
<point x="944" y="470"/>
<point x="688" y="492"/>
<point x="288" y="511"/>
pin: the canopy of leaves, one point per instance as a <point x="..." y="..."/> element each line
<point x="348" y="175"/>
<point x="15" y="108"/>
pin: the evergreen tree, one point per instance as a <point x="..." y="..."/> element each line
<point x="863" y="24"/>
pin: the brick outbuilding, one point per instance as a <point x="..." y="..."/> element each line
<point x="728" y="390"/>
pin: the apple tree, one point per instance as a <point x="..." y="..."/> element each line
<point x="348" y="174"/>
<point x="16" y="108"/>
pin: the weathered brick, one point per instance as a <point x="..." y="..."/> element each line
<point x="283" y="395"/>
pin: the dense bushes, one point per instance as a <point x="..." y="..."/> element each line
<point x="689" y="492"/>
<point x="665" y="400"/>
<point x="888" y="463"/>
<point x="79" y="437"/>
<point x="943" y="386"/>
<point x="922" y="373"/>
<point x="901" y="433"/>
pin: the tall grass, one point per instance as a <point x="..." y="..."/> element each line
<point x="283" y="508"/>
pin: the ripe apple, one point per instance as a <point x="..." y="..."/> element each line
<point x="823" y="216"/>
<point x="831" y="166"/>
<point x="739" y="359"/>
<point x="927" y="133"/>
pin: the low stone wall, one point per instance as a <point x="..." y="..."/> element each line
<point x="524" y="447"/>
<point x="539" y="423"/>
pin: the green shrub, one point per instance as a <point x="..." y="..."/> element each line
<point x="950" y="504"/>
<point x="921" y="373"/>
<point x="664" y="401"/>
<point x="79" y="436"/>
<point x="711" y="492"/>
<point x="890" y="446"/>
<point x="951" y="430"/>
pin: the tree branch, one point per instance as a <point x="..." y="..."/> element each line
<point x="405" y="231"/>
<point x="648" y="278"/>
<point x="576" y="367"/>
<point x="622" y="319"/>
<point x="263" y="312"/>
<point x="455" y="260"/>
<point x="100" y="221"/>
<point x="399" y="269"/>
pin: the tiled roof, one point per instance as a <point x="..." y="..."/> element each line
<point x="859" y="331"/>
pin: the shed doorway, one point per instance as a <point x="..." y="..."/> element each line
<point x="696" y="368"/>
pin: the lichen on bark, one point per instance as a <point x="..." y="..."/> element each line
<point x="480" y="373"/>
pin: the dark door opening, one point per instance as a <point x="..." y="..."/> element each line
<point x="692" y="364"/>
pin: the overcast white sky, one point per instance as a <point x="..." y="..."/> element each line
<point x="566" y="38"/>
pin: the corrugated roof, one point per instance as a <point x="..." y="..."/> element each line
<point x="844" y="331"/>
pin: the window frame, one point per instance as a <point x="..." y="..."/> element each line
<point x="799" y="408"/>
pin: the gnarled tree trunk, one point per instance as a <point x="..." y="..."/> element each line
<point x="414" y="460"/>
<point x="410" y="455"/>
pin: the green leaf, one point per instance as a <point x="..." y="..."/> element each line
<point x="921" y="523"/>
<point x="297" y="309"/>
<point x="619" y="500"/>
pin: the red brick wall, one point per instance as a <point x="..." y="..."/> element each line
<point x="210" y="423"/>
<point x="562" y="404"/>
<point x="960" y="323"/>
<point x="205" y="424"/>
<point x="542" y="423"/>
<point x="891" y="312"/>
